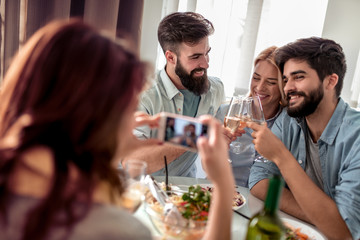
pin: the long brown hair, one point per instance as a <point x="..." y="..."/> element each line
<point x="74" y="85"/>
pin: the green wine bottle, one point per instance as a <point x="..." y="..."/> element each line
<point x="266" y="224"/>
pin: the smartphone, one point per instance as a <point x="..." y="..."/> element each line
<point x="181" y="130"/>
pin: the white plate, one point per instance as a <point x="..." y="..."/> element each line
<point x="310" y="231"/>
<point x="237" y="197"/>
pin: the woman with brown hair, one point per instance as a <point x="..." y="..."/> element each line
<point x="67" y="112"/>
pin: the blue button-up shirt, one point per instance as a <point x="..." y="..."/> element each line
<point x="163" y="96"/>
<point x="339" y="152"/>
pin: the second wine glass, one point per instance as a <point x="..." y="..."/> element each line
<point x="257" y="116"/>
<point x="135" y="171"/>
<point x="234" y="120"/>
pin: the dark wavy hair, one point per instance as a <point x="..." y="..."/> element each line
<point x="187" y="27"/>
<point x="74" y="84"/>
<point x="325" y="56"/>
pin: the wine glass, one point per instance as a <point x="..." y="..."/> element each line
<point x="133" y="196"/>
<point x="257" y="116"/>
<point x="233" y="120"/>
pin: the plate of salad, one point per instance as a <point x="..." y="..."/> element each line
<point x="238" y="201"/>
<point x="296" y="230"/>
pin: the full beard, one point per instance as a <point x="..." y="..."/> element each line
<point x="197" y="85"/>
<point x="309" y="104"/>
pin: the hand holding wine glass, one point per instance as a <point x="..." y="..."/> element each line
<point x="257" y="116"/>
<point x="233" y="120"/>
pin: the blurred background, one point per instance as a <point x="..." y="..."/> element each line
<point x="242" y="29"/>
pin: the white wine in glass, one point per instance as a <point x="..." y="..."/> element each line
<point x="232" y="117"/>
<point x="132" y="198"/>
<point x="232" y="123"/>
<point x="234" y="120"/>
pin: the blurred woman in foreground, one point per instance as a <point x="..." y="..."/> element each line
<point x="267" y="83"/>
<point x="67" y="111"/>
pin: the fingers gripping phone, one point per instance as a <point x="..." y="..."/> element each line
<point x="181" y="130"/>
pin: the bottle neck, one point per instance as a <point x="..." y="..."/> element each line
<point x="273" y="195"/>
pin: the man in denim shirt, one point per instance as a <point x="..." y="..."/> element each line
<point x="315" y="146"/>
<point x="182" y="87"/>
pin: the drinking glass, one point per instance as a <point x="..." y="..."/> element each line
<point x="234" y="120"/>
<point x="135" y="171"/>
<point x="257" y="116"/>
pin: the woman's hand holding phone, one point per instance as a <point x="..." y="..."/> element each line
<point x="142" y="118"/>
<point x="214" y="155"/>
<point x="133" y="143"/>
<point x="214" y="151"/>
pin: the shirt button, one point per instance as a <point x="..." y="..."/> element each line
<point x="179" y="109"/>
<point x="300" y="161"/>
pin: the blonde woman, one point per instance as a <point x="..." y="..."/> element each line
<point x="267" y="83"/>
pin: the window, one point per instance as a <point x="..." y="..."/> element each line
<point x="243" y="28"/>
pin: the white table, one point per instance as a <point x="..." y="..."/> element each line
<point x="239" y="223"/>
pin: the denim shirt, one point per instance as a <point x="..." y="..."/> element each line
<point x="339" y="152"/>
<point x="163" y="96"/>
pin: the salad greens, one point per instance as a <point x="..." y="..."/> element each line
<point x="196" y="203"/>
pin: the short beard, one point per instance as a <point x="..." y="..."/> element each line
<point x="309" y="105"/>
<point x="197" y="85"/>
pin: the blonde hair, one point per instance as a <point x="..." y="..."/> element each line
<point x="268" y="55"/>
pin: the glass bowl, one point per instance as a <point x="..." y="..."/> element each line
<point x="194" y="229"/>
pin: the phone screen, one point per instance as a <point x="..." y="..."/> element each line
<point x="184" y="132"/>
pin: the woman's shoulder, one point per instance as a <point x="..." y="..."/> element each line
<point x="102" y="222"/>
<point x="108" y="222"/>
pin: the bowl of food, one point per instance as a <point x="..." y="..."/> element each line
<point x="194" y="207"/>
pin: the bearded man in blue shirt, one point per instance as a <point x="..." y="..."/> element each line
<point x="315" y="146"/>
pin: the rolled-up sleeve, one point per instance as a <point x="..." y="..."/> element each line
<point x="347" y="192"/>
<point x="260" y="171"/>
<point x="142" y="132"/>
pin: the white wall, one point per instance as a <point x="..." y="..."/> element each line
<point x="150" y="21"/>
<point x="342" y="25"/>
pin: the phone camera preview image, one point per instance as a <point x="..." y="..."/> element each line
<point x="183" y="132"/>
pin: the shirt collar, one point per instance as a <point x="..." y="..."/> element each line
<point x="270" y="121"/>
<point x="169" y="86"/>
<point x="333" y="126"/>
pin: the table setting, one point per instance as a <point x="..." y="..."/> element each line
<point x="177" y="207"/>
<point x="241" y="214"/>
